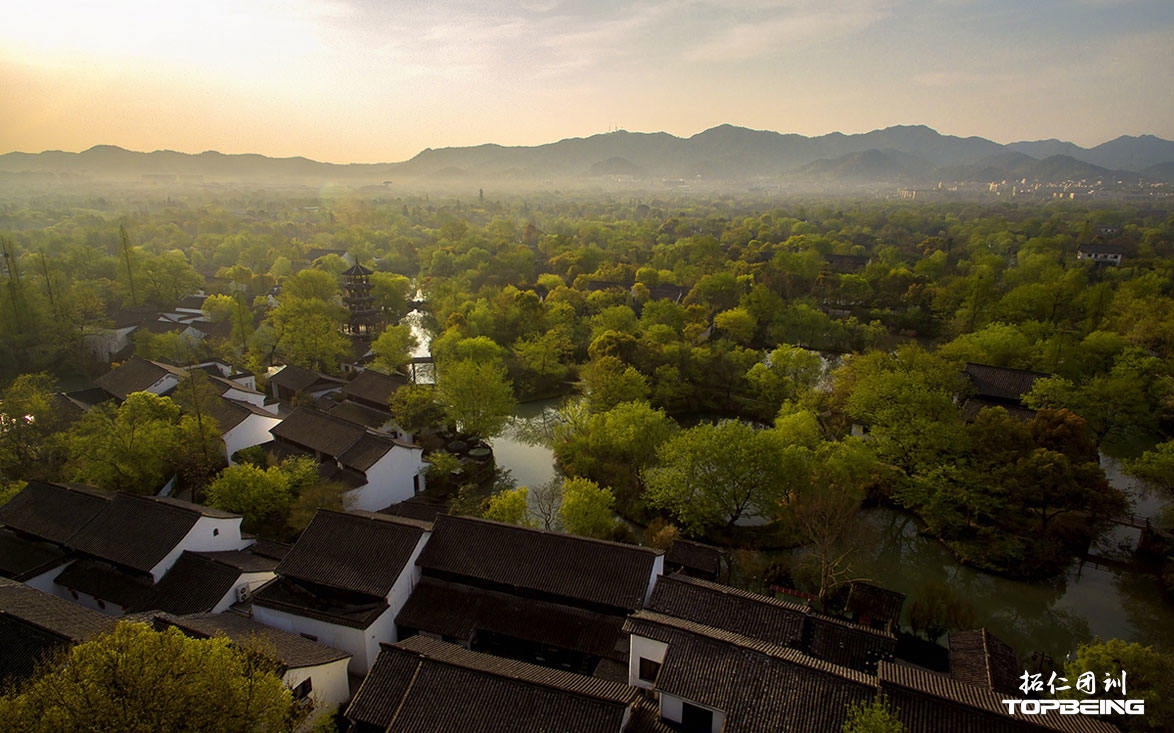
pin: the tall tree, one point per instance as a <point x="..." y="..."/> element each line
<point x="135" y="446"/>
<point x="137" y="679"/>
<point x="477" y="397"/>
<point x="713" y="475"/>
<point x="587" y="508"/>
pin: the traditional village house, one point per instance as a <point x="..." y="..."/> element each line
<point x="138" y="375"/>
<point x="696" y="559"/>
<point x="981" y="658"/>
<point x="313" y="671"/>
<point x="999" y="387"/>
<point x="543" y="597"/>
<point x="343" y="582"/>
<point x="1101" y="254"/>
<point x="128" y="547"/>
<point x="772" y="620"/>
<point x="294" y="385"/>
<point x="723" y="659"/>
<point x="426" y="685"/>
<point x="35" y="624"/>
<point x="38" y="525"/>
<point x="242" y="425"/>
<point x="365" y="399"/>
<point x="211" y="582"/>
<point x="378" y="469"/>
<point x="709" y="680"/>
<point x="873" y="606"/>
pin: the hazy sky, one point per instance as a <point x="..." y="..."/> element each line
<point x="379" y="80"/>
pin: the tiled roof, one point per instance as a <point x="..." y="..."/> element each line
<point x="1001" y="383"/>
<point x="562" y="567"/>
<point x="759" y="686"/>
<point x="291" y="650"/>
<point x="368" y="417"/>
<point x="732" y="609"/>
<point x="229" y="413"/>
<point x="458" y="611"/>
<point x="768" y="619"/>
<point x="293" y="377"/>
<point x="422" y="507"/>
<point x="318" y="431"/>
<point x="252" y="559"/>
<point x="695" y="556"/>
<point x="23" y="647"/>
<point x="133" y="375"/>
<point x="138" y="531"/>
<point x="106" y="582"/>
<point x="269" y="549"/>
<point x="374" y="388"/>
<point x="23" y="558"/>
<point x="931" y="701"/>
<point x="342" y="608"/>
<point x="357" y="269"/>
<point x="874" y="602"/>
<point x="296" y="379"/>
<point x="52" y="511"/>
<point x="843" y="642"/>
<point x="46" y="611"/>
<point x="366" y="452"/>
<point x="194" y="584"/>
<point x="352" y="551"/>
<point x="425" y="685"/>
<point x="981" y="658"/>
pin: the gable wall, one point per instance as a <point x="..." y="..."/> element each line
<point x="208" y="534"/>
<point x="253" y="430"/>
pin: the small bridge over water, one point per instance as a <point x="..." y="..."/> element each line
<point x="1144" y="542"/>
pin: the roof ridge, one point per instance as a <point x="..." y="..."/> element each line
<point x="552" y="533"/>
<point x="442" y="652"/>
<point x="737" y="592"/>
<point x="770" y="649"/>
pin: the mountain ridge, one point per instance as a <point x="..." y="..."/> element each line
<point x="900" y="154"/>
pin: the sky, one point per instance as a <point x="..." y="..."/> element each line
<point x="380" y="80"/>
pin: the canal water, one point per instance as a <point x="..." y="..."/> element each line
<point x="1053" y="617"/>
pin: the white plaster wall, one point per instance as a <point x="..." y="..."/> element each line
<point x="44" y="581"/>
<point x="85" y="599"/>
<point x="252" y="581"/>
<point x="253" y="430"/>
<point x="657" y="571"/>
<point x="641" y="647"/>
<point x="389" y="481"/>
<point x="208" y="534"/>
<point x="340" y="637"/>
<point x="251" y="396"/>
<point x="330" y="686"/>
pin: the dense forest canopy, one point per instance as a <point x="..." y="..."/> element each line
<point x="813" y="320"/>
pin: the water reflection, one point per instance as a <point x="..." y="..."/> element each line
<point x="525" y="446"/>
<point x="1053" y="617"/>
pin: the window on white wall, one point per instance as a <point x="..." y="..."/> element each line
<point x="649" y="669"/>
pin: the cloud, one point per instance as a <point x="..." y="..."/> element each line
<point x="768" y="29"/>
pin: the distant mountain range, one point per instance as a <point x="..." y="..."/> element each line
<point x="724" y="155"/>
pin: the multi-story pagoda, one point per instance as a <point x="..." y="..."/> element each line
<point x="364" y="318"/>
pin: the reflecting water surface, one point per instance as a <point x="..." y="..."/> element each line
<point x="1054" y="616"/>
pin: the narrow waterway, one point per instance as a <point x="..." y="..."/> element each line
<point x="1052" y="617"/>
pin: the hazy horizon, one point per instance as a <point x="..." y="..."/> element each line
<point x="370" y="82"/>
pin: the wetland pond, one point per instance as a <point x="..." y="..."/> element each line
<point x="1053" y="617"/>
